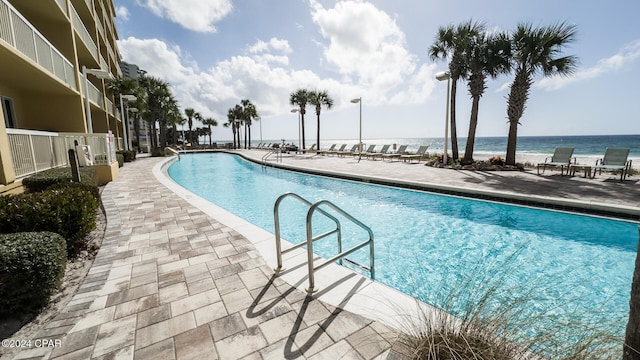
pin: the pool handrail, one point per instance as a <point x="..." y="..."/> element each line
<point x="174" y="151"/>
<point x="310" y="238"/>
<point x="271" y="152"/>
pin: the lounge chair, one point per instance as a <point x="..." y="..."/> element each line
<point x="396" y="154"/>
<point x="561" y="158"/>
<point x="336" y="151"/>
<point x="419" y="155"/>
<point x="615" y="159"/>
<point x="324" y="151"/>
<point x="311" y="149"/>
<point x="352" y="151"/>
<point x="382" y="151"/>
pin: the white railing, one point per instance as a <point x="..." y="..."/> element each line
<point x="23" y="36"/>
<point x="63" y="6"/>
<point x="83" y="32"/>
<point x="95" y="95"/>
<point x="111" y="109"/>
<point x="36" y="151"/>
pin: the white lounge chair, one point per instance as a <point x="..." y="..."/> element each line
<point x="419" y="155"/>
<point x="615" y="159"/>
<point x="561" y="158"/>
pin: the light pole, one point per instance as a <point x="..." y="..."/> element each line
<point x="134" y="111"/>
<point x="125" y="118"/>
<point x="441" y="77"/>
<point x="100" y="74"/>
<point x="359" y="101"/>
<point x="299" y="133"/>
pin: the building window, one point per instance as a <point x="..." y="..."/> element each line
<point x="9" y="112"/>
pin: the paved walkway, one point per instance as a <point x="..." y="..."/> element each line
<point x="170" y="282"/>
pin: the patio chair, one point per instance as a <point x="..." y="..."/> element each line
<point x="561" y="158"/>
<point x="311" y="149"/>
<point x="382" y="151"/>
<point x="419" y="155"/>
<point x="336" y="151"/>
<point x="396" y="154"/>
<point x="352" y="151"/>
<point x="615" y="159"/>
<point x="324" y="151"/>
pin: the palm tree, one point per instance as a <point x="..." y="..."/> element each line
<point x="210" y="122"/>
<point x="319" y="98"/>
<point x="234" y="118"/>
<point x="451" y="43"/>
<point x="190" y="113"/>
<point x="535" y="50"/>
<point x="487" y="55"/>
<point x="301" y="98"/>
<point x="161" y="106"/>
<point x="249" y="113"/>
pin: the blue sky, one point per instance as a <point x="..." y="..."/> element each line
<point x="216" y="52"/>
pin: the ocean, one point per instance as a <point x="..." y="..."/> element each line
<point x="585" y="146"/>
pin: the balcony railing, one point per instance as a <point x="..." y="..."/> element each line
<point x="36" y="151"/>
<point x="23" y="36"/>
<point x="63" y="6"/>
<point x="83" y="32"/>
<point x="95" y="95"/>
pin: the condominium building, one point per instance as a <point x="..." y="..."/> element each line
<point x="55" y="59"/>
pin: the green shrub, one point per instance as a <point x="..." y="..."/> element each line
<point x="120" y="159"/>
<point x="69" y="211"/>
<point x="157" y="152"/>
<point x="31" y="268"/>
<point x="90" y="188"/>
<point x="129" y="155"/>
<point x="43" y="180"/>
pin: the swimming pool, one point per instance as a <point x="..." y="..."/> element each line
<point x="564" y="266"/>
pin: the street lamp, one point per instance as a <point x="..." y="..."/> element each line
<point x="441" y="77"/>
<point x="359" y="101"/>
<point x="125" y="118"/>
<point x="100" y="74"/>
<point x="296" y="110"/>
<point x="134" y="111"/>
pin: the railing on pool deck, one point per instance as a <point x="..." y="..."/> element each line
<point x="311" y="238"/>
<point x="174" y="151"/>
<point x="275" y="151"/>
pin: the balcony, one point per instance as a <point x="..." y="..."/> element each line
<point x="23" y="37"/>
<point x="83" y="33"/>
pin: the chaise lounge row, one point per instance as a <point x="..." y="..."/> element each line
<point x="615" y="159"/>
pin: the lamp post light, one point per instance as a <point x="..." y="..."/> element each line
<point x="299" y="133"/>
<point x="359" y="101"/>
<point x="100" y="74"/>
<point x="441" y="77"/>
<point x="125" y="118"/>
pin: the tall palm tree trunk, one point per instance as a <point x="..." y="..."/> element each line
<point x="473" y="123"/>
<point x="302" y="123"/>
<point x="318" y="136"/>
<point x="454" y="132"/>
<point x="515" y="108"/>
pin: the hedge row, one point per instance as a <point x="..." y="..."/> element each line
<point x="44" y="180"/>
<point x="31" y="268"/>
<point x="67" y="209"/>
<point x="128" y="155"/>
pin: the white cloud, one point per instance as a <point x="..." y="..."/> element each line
<point x="273" y="44"/>
<point x="122" y="12"/>
<point x="367" y="47"/>
<point x="196" y="15"/>
<point x="372" y="63"/>
<point x="613" y="63"/>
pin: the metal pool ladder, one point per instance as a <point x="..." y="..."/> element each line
<point x="278" y="154"/>
<point x="311" y="238"/>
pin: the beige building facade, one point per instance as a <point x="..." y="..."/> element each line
<point x="54" y="56"/>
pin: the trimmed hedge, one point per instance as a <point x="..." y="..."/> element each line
<point x="69" y="210"/>
<point x="43" y="180"/>
<point x="32" y="265"/>
<point x="129" y="155"/>
<point x="120" y="159"/>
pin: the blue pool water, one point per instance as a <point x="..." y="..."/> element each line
<point x="562" y="266"/>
